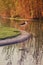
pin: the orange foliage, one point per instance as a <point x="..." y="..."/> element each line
<point x="27" y="8"/>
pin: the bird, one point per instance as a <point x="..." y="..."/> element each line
<point x="24" y="23"/>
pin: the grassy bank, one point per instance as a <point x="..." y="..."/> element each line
<point x="6" y="32"/>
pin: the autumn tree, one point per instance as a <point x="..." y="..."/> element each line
<point x="8" y="5"/>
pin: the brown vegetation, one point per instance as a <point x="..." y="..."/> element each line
<point x="24" y="8"/>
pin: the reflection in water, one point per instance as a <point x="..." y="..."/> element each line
<point x="26" y="55"/>
<point x="29" y="52"/>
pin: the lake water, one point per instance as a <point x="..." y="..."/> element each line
<point x="21" y="54"/>
<point x="30" y="53"/>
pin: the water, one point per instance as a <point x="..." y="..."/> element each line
<point x="21" y="55"/>
<point x="29" y="52"/>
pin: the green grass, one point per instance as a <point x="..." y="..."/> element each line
<point x="6" y="32"/>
